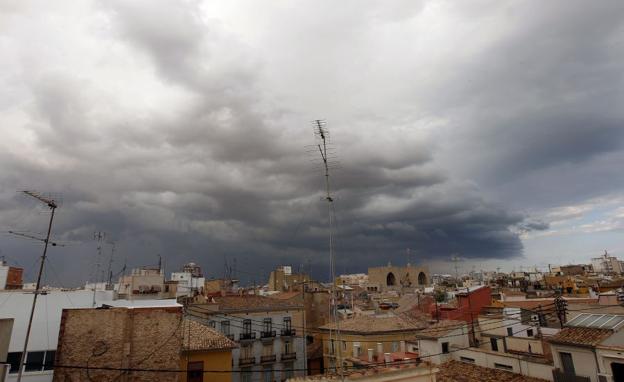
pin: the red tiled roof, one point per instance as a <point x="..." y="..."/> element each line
<point x="198" y="336"/>
<point x="580" y="336"/>
<point x="456" y="371"/>
<point x="441" y="329"/>
<point x="376" y="324"/>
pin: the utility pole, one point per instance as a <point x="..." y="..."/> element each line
<point x="52" y="205"/>
<point x="323" y="134"/>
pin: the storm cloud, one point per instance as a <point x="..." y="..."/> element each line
<point x="183" y="128"/>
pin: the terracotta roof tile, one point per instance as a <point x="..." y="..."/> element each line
<point x="441" y="329"/>
<point x="251" y="302"/>
<point x="580" y="336"/>
<point x="377" y="324"/>
<point x="198" y="336"/>
<point x="456" y="371"/>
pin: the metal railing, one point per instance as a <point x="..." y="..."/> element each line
<point x="245" y="361"/>
<point x="268" y="358"/>
<point x="247" y="336"/>
<point x="560" y="376"/>
<point x="288" y="332"/>
<point x="288" y="356"/>
<point x="269" y="334"/>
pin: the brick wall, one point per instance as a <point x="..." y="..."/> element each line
<point x="145" y="338"/>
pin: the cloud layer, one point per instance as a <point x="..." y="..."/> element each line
<point x="183" y="129"/>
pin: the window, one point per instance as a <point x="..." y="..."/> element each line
<point x="395" y="346"/>
<point x="34" y="361"/>
<point x="509" y="332"/>
<point x="332" y="348"/>
<point x="502" y="366"/>
<point x="287" y="347"/>
<point x="212" y="324"/>
<point x="247" y="326"/>
<point x="14" y="360"/>
<point x="445" y="347"/>
<point x="49" y="360"/>
<point x="225" y="327"/>
<point x="246" y="374"/>
<point x="530" y="332"/>
<point x="357" y="349"/>
<point x="195" y="371"/>
<point x="344" y="346"/>
<point x="467" y="360"/>
<point x="567" y="363"/>
<point x="246" y="351"/>
<point x="267" y="324"/>
<point x="287" y="323"/>
<point x="494" y="344"/>
<point x="267" y="350"/>
<point x="267" y="374"/>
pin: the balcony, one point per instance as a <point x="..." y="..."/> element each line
<point x="246" y="361"/>
<point x="560" y="376"/>
<point x="269" y="335"/>
<point x="289" y="356"/>
<point x="288" y="332"/>
<point x="247" y="336"/>
<point x="267" y="358"/>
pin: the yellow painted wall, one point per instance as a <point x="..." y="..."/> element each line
<point x="220" y="360"/>
<point x="366" y="342"/>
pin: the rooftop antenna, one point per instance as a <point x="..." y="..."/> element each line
<point x="455" y="259"/>
<point x="99" y="237"/>
<point x="53" y="206"/>
<point x="407" y="254"/>
<point x="321" y="132"/>
<point x="109" y="284"/>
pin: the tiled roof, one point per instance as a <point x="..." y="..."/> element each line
<point x="198" y="336"/>
<point x="580" y="336"/>
<point x="285" y="295"/>
<point x="456" y="371"/>
<point x="377" y="324"/>
<point x="440" y="329"/>
<point x="252" y="302"/>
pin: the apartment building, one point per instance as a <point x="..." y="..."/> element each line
<point x="268" y="331"/>
<point x="10" y="277"/>
<point x="362" y="336"/>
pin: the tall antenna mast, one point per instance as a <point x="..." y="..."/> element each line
<point x="53" y="206"/>
<point x="109" y="284"/>
<point x="455" y="259"/>
<point x="99" y="237"/>
<point x="321" y="132"/>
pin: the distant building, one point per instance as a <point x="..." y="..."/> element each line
<point x="143" y="283"/>
<point x="283" y="279"/>
<point x="607" y="264"/>
<point x="10" y="277"/>
<point x="436" y="342"/>
<point x="395" y="278"/>
<point x="269" y="332"/>
<point x="190" y="282"/>
<point x="353" y="280"/>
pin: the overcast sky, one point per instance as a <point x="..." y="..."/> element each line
<point x="488" y="129"/>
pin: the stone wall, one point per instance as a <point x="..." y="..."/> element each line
<point x="142" y="338"/>
<point x="398" y="278"/>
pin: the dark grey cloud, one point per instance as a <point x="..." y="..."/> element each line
<point x="184" y="130"/>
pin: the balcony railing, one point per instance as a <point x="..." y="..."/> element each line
<point x="247" y="336"/>
<point x="269" y="334"/>
<point x="246" y="361"/>
<point x="288" y="332"/>
<point x="289" y="356"/>
<point x="560" y="376"/>
<point x="267" y="358"/>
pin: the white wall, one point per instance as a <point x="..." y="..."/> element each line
<point x="584" y="360"/>
<point x="489" y="359"/>
<point x="429" y="347"/>
<point x="4" y="273"/>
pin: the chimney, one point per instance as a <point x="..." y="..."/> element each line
<point x="387" y="358"/>
<point x="379" y="351"/>
<point x="370" y="355"/>
<point x="356" y="351"/>
<point x="403" y="346"/>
